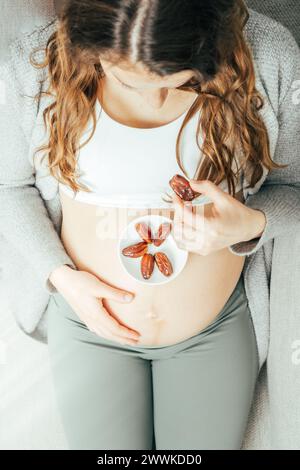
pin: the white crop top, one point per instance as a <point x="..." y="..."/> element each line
<point x="131" y="167"/>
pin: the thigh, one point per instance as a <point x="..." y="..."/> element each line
<point x="203" y="394"/>
<point x="104" y="395"/>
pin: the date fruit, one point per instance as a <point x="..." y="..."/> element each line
<point x="182" y="188"/>
<point x="144" y="231"/>
<point x="136" y="250"/>
<point x="163" y="263"/>
<point x="147" y="265"/>
<point x="163" y="231"/>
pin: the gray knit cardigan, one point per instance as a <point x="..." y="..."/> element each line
<point x="30" y="210"/>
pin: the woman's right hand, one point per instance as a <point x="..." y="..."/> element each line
<point x="84" y="293"/>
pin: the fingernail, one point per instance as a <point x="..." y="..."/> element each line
<point x="128" y="297"/>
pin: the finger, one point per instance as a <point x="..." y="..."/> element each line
<point x="114" y="326"/>
<point x="104" y="333"/>
<point x="177" y="226"/>
<point x="191" y="241"/>
<point x="185" y="212"/>
<point x="178" y="213"/>
<point x="192" y="236"/>
<point x="177" y="200"/>
<point x="112" y="314"/>
<point x="178" y="206"/>
<point x="103" y="319"/>
<point x="211" y="190"/>
<point x="113" y="293"/>
<point x="182" y="230"/>
<point x="189" y="214"/>
<point x="186" y="245"/>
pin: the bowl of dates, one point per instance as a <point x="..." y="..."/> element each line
<point x="148" y="251"/>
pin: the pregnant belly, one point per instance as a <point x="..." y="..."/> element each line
<point x="163" y="314"/>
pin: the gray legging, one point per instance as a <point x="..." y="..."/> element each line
<point x="195" y="394"/>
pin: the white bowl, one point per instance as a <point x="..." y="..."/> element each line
<point x="132" y="266"/>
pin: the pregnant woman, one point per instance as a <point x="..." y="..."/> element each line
<point x="144" y="90"/>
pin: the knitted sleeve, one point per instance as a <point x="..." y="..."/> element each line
<point x="24" y="220"/>
<point x="279" y="195"/>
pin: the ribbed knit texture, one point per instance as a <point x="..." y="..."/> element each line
<point x="286" y="11"/>
<point x="30" y="211"/>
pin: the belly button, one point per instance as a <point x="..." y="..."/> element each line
<point x="153" y="315"/>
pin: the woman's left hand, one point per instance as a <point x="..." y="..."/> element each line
<point x="216" y="225"/>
